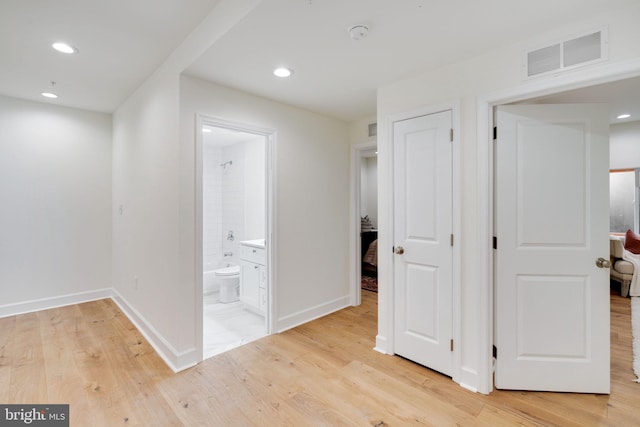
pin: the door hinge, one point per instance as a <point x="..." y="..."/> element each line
<point x="393" y="249"/>
<point x="495" y="243"/>
<point x="451" y="134"/>
<point x="451" y="345"/>
<point x="495" y="133"/>
<point x="452" y="240"/>
<point x="495" y="352"/>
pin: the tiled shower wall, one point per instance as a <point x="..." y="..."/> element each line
<point x="233" y="199"/>
<point x="211" y="206"/>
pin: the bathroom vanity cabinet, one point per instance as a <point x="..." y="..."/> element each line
<point x="253" y="275"/>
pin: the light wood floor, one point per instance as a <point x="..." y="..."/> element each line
<point x="324" y="373"/>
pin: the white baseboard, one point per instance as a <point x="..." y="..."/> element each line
<point x="177" y="361"/>
<point x="53" y="302"/>
<point x="469" y="379"/>
<point x="382" y="345"/>
<point x="304" y="316"/>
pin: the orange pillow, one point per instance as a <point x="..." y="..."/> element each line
<point x="632" y="242"/>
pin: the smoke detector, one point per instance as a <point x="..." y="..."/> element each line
<point x="358" y="32"/>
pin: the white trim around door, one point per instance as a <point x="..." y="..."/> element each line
<point x="484" y="181"/>
<point x="270" y="236"/>
<point x="385" y="338"/>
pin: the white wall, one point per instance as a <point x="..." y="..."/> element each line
<point x="153" y="265"/>
<point x="369" y="189"/>
<point x="312" y="195"/>
<point x="624" y="149"/>
<point x="495" y="72"/>
<point x="359" y="130"/>
<point x="146" y="199"/>
<point x="55" y="187"/>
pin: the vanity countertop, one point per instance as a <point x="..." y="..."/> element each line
<point x="257" y="243"/>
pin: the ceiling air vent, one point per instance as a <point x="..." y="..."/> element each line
<point x="373" y="129"/>
<point x="567" y="54"/>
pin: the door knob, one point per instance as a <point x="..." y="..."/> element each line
<point x="399" y="250"/>
<point x="603" y="263"/>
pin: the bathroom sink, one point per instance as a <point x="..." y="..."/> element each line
<point x="257" y="243"/>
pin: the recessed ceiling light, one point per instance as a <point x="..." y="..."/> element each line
<point x="282" y="72"/>
<point x="624" y="116"/>
<point x="50" y="94"/>
<point x="206" y="130"/>
<point x="64" y="48"/>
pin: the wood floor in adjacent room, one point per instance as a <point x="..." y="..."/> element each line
<point x="324" y="373"/>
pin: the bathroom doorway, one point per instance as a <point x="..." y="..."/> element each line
<point x="234" y="218"/>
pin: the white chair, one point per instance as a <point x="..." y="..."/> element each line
<point x="621" y="271"/>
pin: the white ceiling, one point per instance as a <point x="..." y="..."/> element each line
<point x="622" y="97"/>
<point x="121" y="42"/>
<point x="338" y="76"/>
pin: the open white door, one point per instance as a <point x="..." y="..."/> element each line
<point x="552" y="224"/>
<point x="423" y="239"/>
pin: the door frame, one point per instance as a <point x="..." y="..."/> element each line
<point x="355" y="272"/>
<point x="385" y="341"/>
<point x="576" y="79"/>
<point x="270" y="213"/>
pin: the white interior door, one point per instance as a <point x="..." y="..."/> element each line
<point x="552" y="223"/>
<point x="423" y="239"/>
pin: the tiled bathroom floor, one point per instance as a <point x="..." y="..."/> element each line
<point x="228" y="326"/>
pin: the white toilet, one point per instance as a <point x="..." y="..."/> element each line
<point x="229" y="280"/>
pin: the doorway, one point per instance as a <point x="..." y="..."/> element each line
<point x="542" y="92"/>
<point x="551" y="224"/>
<point x="364" y="235"/>
<point x="449" y="244"/>
<point x="423" y="239"/>
<point x="234" y="218"/>
<point x="369" y="220"/>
